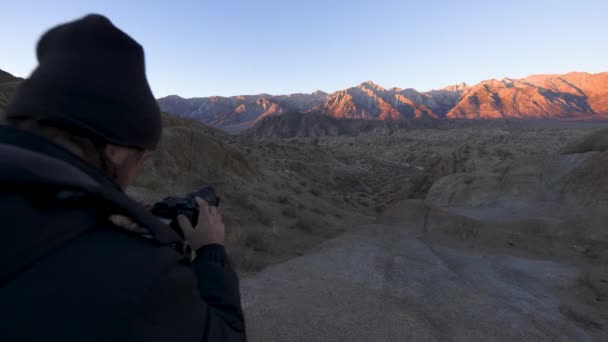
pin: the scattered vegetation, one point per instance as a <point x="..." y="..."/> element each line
<point x="257" y="241"/>
<point x="315" y="192"/>
<point x="283" y="196"/>
<point x="304" y="225"/>
<point x="591" y="288"/>
<point x="290" y="212"/>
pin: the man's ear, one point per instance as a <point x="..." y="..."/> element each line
<point x="118" y="155"/>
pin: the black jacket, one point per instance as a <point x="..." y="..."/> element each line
<point x="68" y="274"/>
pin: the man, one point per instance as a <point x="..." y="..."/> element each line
<point x="79" y="129"/>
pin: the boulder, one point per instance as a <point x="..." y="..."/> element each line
<point x="560" y="196"/>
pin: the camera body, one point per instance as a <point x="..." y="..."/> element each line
<point x="170" y="207"/>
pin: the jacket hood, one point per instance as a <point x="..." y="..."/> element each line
<point x="30" y="160"/>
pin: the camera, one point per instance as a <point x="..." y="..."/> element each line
<point x="170" y="207"/>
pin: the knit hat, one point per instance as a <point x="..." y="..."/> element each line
<point x="91" y="78"/>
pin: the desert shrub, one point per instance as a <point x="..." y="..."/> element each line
<point x="230" y="218"/>
<point x="282" y="199"/>
<point x="504" y="153"/>
<point x="363" y="203"/>
<point x="315" y="192"/>
<point x="245" y="260"/>
<point x="244" y="201"/>
<point x="296" y="166"/>
<point x="347" y="182"/>
<point x="305" y="225"/>
<point x="590" y="287"/>
<point x="262" y="218"/>
<point x="290" y="212"/>
<point x="318" y="211"/>
<point x="257" y="241"/>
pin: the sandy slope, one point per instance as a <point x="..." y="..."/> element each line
<point x="382" y="282"/>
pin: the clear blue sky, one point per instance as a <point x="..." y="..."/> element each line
<point x="224" y="47"/>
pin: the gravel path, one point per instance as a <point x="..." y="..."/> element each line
<point x="381" y="283"/>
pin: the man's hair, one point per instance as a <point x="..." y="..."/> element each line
<point x="92" y="149"/>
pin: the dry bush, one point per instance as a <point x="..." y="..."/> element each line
<point x="305" y="225"/>
<point x="318" y="211"/>
<point x="263" y="218"/>
<point x="282" y="199"/>
<point x="363" y="202"/>
<point x="591" y="288"/>
<point x="580" y="318"/>
<point x="244" y="201"/>
<point x="315" y="192"/>
<point x="245" y="260"/>
<point x="257" y="241"/>
<point x="347" y="181"/>
<point x="290" y="212"/>
<point x="503" y="153"/>
<point x="379" y="208"/>
<point x="296" y="166"/>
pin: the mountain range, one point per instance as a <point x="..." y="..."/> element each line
<point x="575" y="95"/>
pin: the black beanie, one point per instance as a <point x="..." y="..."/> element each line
<point x="91" y="78"/>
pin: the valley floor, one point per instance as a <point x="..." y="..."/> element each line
<point x="334" y="240"/>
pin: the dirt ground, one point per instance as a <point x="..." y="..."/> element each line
<point x="391" y="281"/>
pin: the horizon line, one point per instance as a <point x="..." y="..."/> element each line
<point x="387" y="88"/>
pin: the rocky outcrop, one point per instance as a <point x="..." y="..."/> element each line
<point x="8" y="86"/>
<point x="561" y="196"/>
<point x="6" y="77"/>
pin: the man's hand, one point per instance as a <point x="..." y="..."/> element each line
<point x="209" y="228"/>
